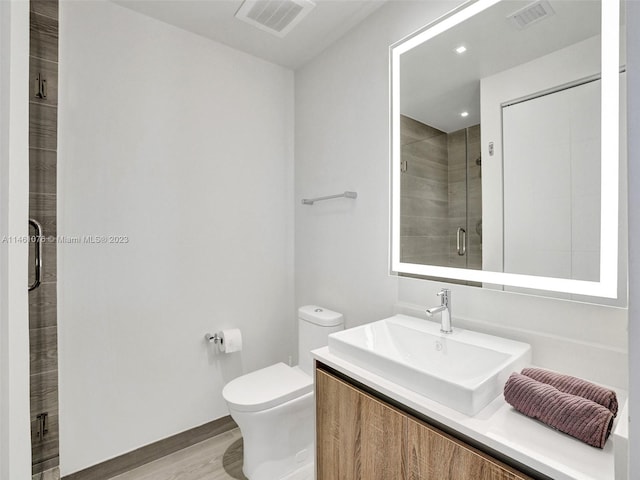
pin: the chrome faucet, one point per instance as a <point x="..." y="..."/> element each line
<point x="445" y="308"/>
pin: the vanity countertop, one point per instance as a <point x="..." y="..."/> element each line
<point x="499" y="427"/>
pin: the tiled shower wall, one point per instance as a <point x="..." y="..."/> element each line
<point x="423" y="203"/>
<point x="441" y="190"/>
<point x="474" y="198"/>
<point x="43" y="113"/>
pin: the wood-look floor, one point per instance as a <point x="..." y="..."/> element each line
<point x="51" y="474"/>
<point x="217" y="458"/>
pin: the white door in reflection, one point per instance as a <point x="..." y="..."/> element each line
<point x="552" y="184"/>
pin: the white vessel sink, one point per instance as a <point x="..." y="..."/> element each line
<point x="464" y="370"/>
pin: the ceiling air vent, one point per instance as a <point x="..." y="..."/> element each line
<point x="532" y="13"/>
<point x="277" y="17"/>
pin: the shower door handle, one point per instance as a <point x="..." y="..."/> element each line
<point x="461" y="241"/>
<point x="38" y="254"/>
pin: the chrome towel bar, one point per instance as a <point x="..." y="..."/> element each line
<point x="310" y="201"/>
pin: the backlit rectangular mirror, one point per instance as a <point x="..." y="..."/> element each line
<point x="505" y="146"/>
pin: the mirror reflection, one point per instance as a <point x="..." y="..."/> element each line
<point x="500" y="142"/>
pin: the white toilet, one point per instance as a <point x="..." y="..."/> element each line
<point x="274" y="406"/>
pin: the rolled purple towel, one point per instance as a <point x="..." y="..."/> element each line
<point x="576" y="416"/>
<point x="575" y="386"/>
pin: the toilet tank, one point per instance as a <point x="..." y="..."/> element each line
<point x="314" y="326"/>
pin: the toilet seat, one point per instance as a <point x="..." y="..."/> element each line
<point x="267" y="387"/>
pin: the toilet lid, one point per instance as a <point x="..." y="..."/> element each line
<point x="267" y="388"/>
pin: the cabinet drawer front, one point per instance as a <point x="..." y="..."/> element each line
<point x="358" y="437"/>
<point x="434" y="455"/>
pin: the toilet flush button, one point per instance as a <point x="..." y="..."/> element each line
<point x="318" y="310"/>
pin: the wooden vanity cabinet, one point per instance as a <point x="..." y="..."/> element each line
<point x="360" y="437"/>
<point x="434" y="455"/>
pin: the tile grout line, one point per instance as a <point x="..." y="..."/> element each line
<point x="43" y="15"/>
<point x="31" y="55"/>
<point x="44" y="149"/>
<point x="32" y="102"/>
<point x="43" y="59"/>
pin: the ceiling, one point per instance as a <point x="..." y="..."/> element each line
<point x="437" y="84"/>
<point x="214" y="19"/>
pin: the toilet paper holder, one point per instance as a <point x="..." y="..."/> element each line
<point x="215" y="338"/>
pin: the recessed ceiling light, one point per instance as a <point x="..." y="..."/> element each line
<point x="461" y="49"/>
<point x="464" y="114"/>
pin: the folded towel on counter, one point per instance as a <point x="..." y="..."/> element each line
<point x="575" y="386"/>
<point x="576" y="416"/>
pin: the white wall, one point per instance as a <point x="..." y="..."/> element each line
<point x="364" y="53"/>
<point x="342" y="142"/>
<point x="633" y="77"/>
<point x="185" y="146"/>
<point x="580" y="339"/>
<point x="15" y="438"/>
<point x="552" y="184"/>
<point x="561" y="67"/>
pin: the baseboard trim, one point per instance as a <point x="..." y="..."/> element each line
<point x="153" y="451"/>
